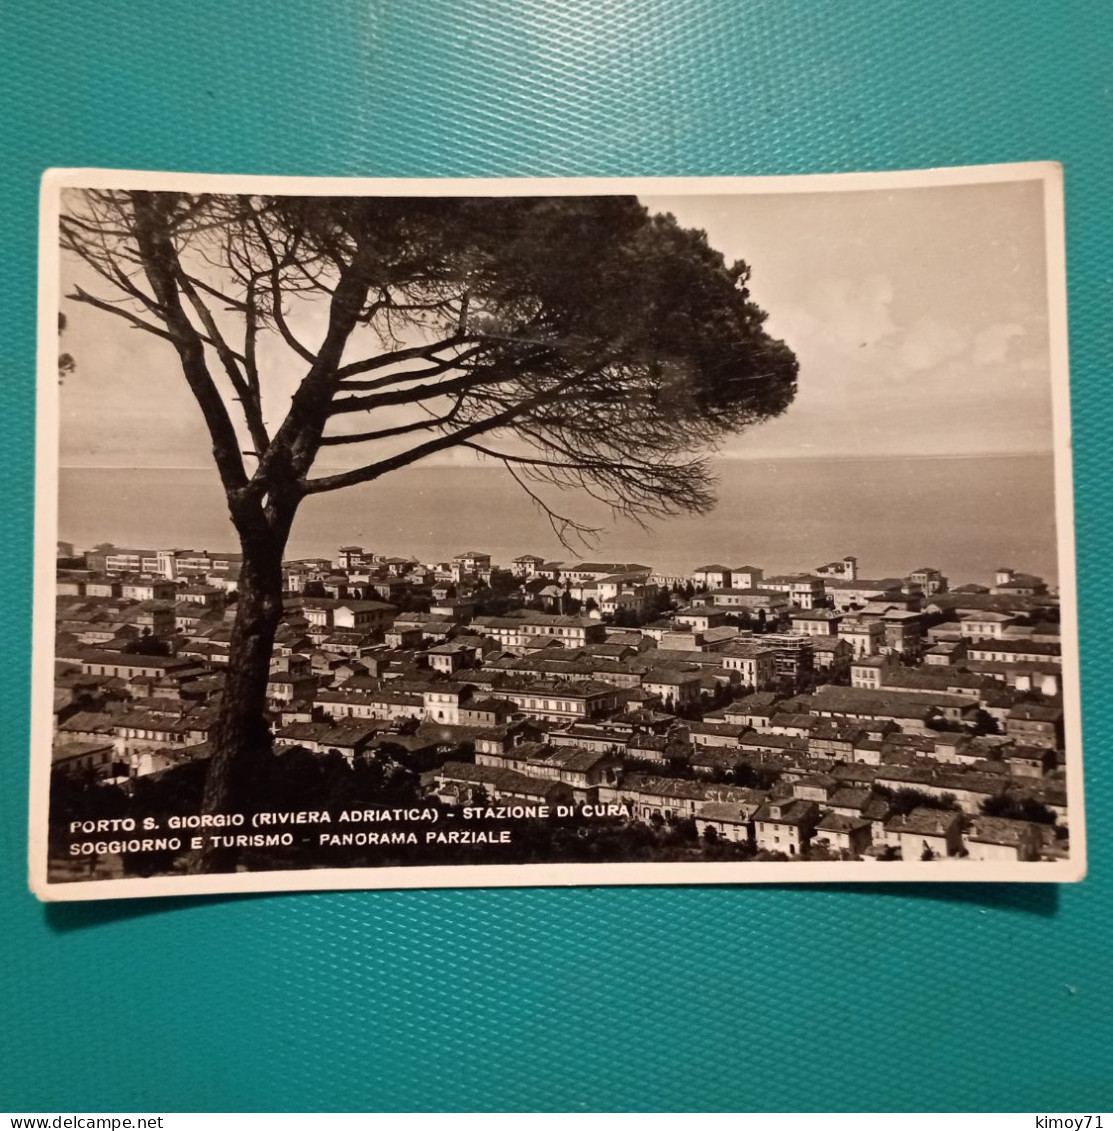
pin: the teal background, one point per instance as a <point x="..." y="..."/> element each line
<point x="873" y="998"/>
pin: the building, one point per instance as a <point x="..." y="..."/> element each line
<point x="746" y="577"/>
<point x="462" y="783"/>
<point x="865" y="636"/>
<point x="786" y="826"/>
<point x="473" y="561"/>
<point x="999" y="838"/>
<point x="793" y="653"/>
<point x="847" y="596"/>
<point x="730" y="820"/>
<point x="849" y="836"/>
<point x="1009" y="583"/>
<point x="985" y="625"/>
<point x="526" y="565"/>
<point x="926" y="834"/>
<point x="846" y="569"/>
<point x="1035" y="725"/>
<point x="352" y="557"/>
<point x="713" y="577"/>
<point x="929" y="580"/>
<point x="527" y="627"/>
<point x="558" y="701"/>
<point x="815" y="622"/>
<point x="802" y="589"/>
<point x="755" y="663"/>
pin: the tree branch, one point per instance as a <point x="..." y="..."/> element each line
<point x="80" y="295"/>
<point x="396" y="357"/>
<point x="431" y="447"/>
<point x="409" y="396"/>
<point x="230" y="359"/>
<point x="400" y="429"/>
<point x="561" y="524"/>
<point x="412" y="374"/>
<point x="276" y="296"/>
<point x="161" y="264"/>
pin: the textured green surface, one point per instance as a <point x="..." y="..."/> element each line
<point x="980" y="998"/>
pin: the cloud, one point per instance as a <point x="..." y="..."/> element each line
<point x="841" y="314"/>
<point x="928" y="343"/>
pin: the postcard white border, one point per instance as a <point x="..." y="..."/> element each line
<point x="537" y="875"/>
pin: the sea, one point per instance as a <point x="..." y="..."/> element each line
<point x="964" y="515"/>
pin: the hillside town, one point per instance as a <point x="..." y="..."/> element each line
<point x="818" y="715"/>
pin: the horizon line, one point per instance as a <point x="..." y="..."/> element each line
<point x="840" y="457"/>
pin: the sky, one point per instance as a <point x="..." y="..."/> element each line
<point x="918" y="316"/>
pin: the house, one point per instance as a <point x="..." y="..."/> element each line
<point x="453" y="608"/>
<point x="653" y="799"/>
<point x="358" y="703"/>
<point x="526" y="565"/>
<point x="731" y="820"/>
<point x="793" y="653"/>
<point x="866" y="637"/>
<point x="290" y="687"/>
<point x="452" y="656"/>
<point x="868" y="671"/>
<point x="442" y="701"/>
<point x="713" y="576"/>
<point x="834" y="739"/>
<point x="815" y="622"/>
<point x="646" y="747"/>
<point x="134" y="589"/>
<point x="945" y="653"/>
<point x="673" y="686"/>
<point x="844" y="834"/>
<point x="715" y="734"/>
<point x="802" y="590"/>
<point x="815" y="787"/>
<point x="484" y="712"/>
<point x="583" y="771"/>
<point x="985" y="625"/>
<point x="350" y="740"/>
<point x="738" y="601"/>
<point x="699" y="618"/>
<point x="526" y="627"/>
<point x="785" y="826"/>
<point x="352" y="557"/>
<point x="1035" y="725"/>
<point x="903" y="631"/>
<point x="929" y="580"/>
<point x="844" y="570"/>
<point x="463" y="783"/>
<point x="134" y="665"/>
<point x="367" y="617"/>
<point x="1009" y="583"/>
<point x="831" y="654"/>
<point x="558" y="701"/>
<point x="1016" y="651"/>
<point x="363" y="616"/>
<point x="504" y="736"/>
<point x="1000" y="838"/>
<point x="926" y="834"/>
<point x="746" y="577"/>
<point x="473" y="561"/>
<point x="1028" y="761"/>
<point x="754" y="663"/>
<point x="81" y="759"/>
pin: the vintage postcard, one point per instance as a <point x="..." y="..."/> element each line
<point x="425" y="533"/>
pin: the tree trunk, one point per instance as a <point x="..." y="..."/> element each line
<point x="240" y="737"/>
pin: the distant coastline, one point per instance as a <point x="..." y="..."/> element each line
<point x="840" y="457"/>
<point x="965" y="515"/>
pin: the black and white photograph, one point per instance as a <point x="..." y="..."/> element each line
<point x="444" y="533"/>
